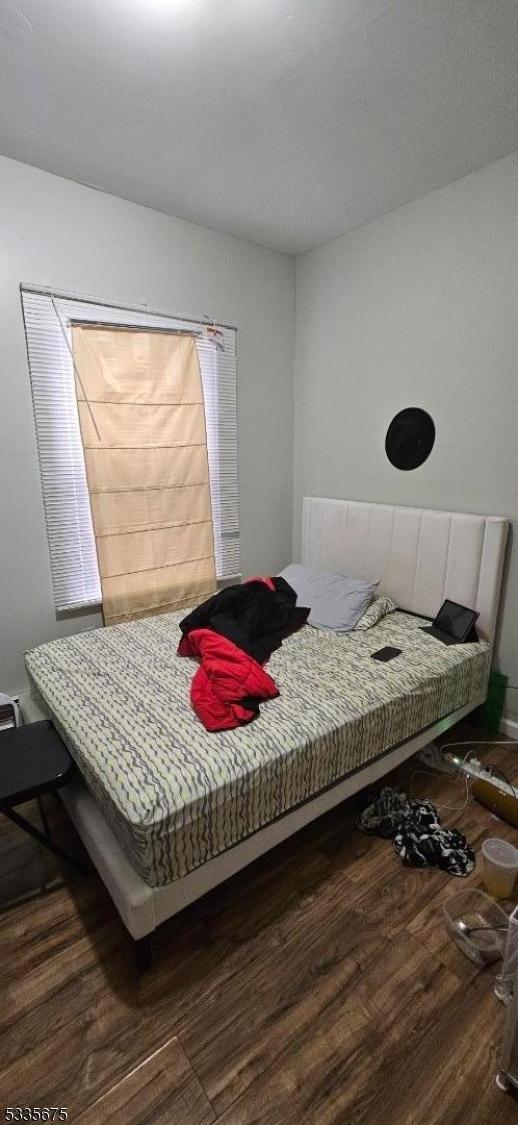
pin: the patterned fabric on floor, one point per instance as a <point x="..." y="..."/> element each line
<point x="416" y="830"/>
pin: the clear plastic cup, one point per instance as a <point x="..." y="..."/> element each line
<point x="500" y="867"/>
<point x="477" y="924"/>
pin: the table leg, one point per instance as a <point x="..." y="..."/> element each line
<point x="43" y="815"/>
<point x="45" y="839"/>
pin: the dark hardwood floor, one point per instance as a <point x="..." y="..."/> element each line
<point x="317" y="986"/>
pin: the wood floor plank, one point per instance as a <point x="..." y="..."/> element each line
<point x="319" y="985"/>
<point x="248" y="1023"/>
<point x="389" y="891"/>
<point x="93" y="1005"/>
<point x="316" y="1081"/>
<point x="428" y="927"/>
<point x="403" y="1079"/>
<point x="406" y="987"/>
<point x="399" y="986"/>
<point x="163" y="1089"/>
<point x="447" y="1075"/>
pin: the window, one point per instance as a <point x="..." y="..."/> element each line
<point x="49" y="321"/>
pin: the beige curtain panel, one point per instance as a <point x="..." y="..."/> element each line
<point x="142" y="419"/>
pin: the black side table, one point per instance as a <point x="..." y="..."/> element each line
<point x="34" y="761"/>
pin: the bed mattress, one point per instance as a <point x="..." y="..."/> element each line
<point x="175" y="795"/>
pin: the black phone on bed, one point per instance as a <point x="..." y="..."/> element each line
<point x="385" y="654"/>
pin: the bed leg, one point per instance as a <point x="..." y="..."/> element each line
<point x="143" y="953"/>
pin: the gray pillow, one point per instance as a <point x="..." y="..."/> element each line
<point x="336" y="602"/>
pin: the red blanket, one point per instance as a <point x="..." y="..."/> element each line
<point x="226" y="681"/>
<point x="232" y="635"/>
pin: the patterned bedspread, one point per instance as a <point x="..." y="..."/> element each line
<point x="175" y="795"/>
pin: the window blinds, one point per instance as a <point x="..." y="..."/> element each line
<point x="142" y="421"/>
<point x="48" y="326"/>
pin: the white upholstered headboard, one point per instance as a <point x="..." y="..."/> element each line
<point x="421" y="556"/>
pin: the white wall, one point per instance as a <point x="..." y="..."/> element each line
<point x="57" y="233"/>
<point x="419" y="308"/>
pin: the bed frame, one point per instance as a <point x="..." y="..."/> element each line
<point x="422" y="557"/>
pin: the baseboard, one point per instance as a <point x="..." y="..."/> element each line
<point x="510" y="728"/>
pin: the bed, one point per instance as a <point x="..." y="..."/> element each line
<point x="166" y="810"/>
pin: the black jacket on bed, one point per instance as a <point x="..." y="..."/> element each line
<point x="255" y="616"/>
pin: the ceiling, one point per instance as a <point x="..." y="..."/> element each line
<point x="287" y="122"/>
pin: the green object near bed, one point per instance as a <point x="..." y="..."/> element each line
<point x="490" y="714"/>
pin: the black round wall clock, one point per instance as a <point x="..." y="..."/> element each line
<point x="410" y="438"/>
